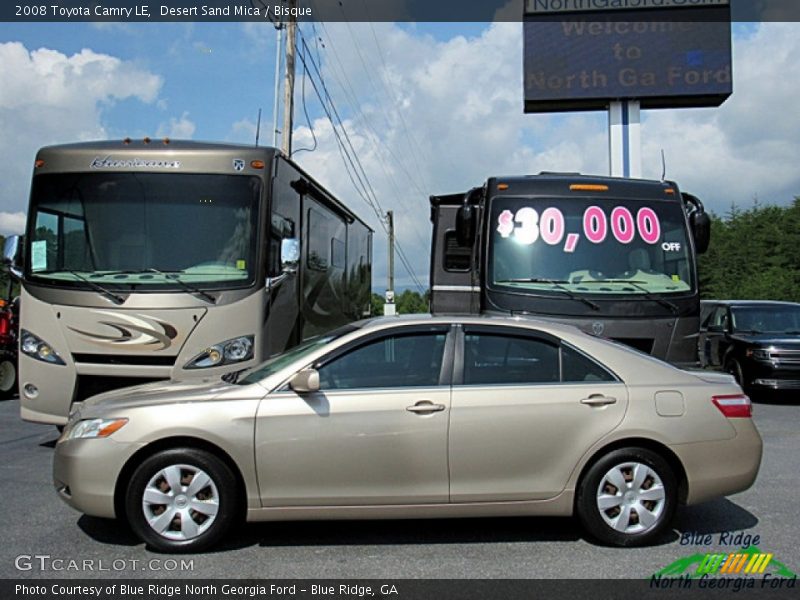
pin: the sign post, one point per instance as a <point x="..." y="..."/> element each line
<point x="624" y="57"/>
<point x="624" y="139"/>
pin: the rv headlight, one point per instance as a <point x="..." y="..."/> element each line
<point x="238" y="350"/>
<point x="225" y="353"/>
<point x="94" y="428"/>
<point x="37" y="348"/>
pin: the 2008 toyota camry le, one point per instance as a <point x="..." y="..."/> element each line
<point x="415" y="417"/>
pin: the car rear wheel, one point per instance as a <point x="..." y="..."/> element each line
<point x="182" y="500"/>
<point x="627" y="498"/>
<point x="8" y="378"/>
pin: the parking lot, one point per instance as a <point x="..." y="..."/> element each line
<point x="37" y="524"/>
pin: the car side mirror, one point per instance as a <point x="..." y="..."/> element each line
<point x="466" y="225"/>
<point x="12" y="254"/>
<point x="305" y="381"/>
<point x="290" y="255"/>
<point x="701" y="228"/>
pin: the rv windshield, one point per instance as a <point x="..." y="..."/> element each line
<point x="143" y="230"/>
<point x="589" y="246"/>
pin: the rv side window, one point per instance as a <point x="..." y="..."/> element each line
<point x="319" y="241"/>
<point x="338" y="258"/>
<point x="456" y="257"/>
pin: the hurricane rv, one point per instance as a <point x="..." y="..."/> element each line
<point x="153" y="260"/>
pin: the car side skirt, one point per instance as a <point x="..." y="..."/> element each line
<point x="560" y="505"/>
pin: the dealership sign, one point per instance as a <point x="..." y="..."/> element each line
<point x="581" y="54"/>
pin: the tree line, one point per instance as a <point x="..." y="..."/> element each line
<point x="754" y="254"/>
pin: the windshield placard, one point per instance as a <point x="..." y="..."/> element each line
<point x="527" y="226"/>
<point x="589" y="246"/>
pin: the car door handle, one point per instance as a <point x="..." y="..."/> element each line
<point x="425" y="407"/>
<point x="599" y="400"/>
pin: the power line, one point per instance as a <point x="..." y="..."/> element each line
<point x="347" y="88"/>
<point x="349" y="153"/>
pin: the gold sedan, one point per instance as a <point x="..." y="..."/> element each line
<point x="415" y="417"/>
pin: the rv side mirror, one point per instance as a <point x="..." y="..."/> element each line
<point x="12" y="254"/>
<point x="466" y="225"/>
<point x="305" y="381"/>
<point x="290" y="255"/>
<point x="701" y="229"/>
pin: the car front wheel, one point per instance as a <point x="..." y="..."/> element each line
<point x="181" y="500"/>
<point x="734" y="368"/>
<point x="627" y="498"/>
<point x="8" y="378"/>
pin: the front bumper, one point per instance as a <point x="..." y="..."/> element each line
<point x="770" y="383"/>
<point x="86" y="471"/>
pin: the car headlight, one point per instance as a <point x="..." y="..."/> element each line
<point x="759" y="353"/>
<point x="94" y="428"/>
<point x="37" y="348"/>
<point x="229" y="352"/>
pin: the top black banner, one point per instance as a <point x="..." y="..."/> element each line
<point x="144" y="11"/>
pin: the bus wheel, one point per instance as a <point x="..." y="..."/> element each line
<point x="8" y="378"/>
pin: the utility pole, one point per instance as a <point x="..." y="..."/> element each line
<point x="278" y="48"/>
<point x="288" y="91"/>
<point x="389" y="307"/>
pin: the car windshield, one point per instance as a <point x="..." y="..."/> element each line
<point x="589" y="246"/>
<point x="279" y="361"/>
<point x="766" y="319"/>
<point x="143" y="230"/>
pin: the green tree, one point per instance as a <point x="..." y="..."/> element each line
<point x="407" y="302"/>
<point x="376" y="305"/>
<point x="754" y="254"/>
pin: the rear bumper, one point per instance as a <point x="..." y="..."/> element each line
<point x="722" y="468"/>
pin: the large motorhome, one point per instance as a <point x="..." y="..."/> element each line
<point x="149" y="260"/>
<point x="616" y="257"/>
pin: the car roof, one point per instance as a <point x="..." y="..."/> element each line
<point x="521" y="321"/>
<point x="749" y="302"/>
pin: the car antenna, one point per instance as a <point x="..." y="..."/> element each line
<point x="663" y="166"/>
<point x="258" y="127"/>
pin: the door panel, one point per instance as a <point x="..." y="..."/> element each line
<point x="352" y="447"/>
<point x="522" y="442"/>
<point x="375" y="433"/>
<point x="528" y="410"/>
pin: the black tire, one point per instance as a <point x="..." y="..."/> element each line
<point x="150" y="475"/>
<point x="633" y="532"/>
<point x="8" y="378"/>
<point x="734" y="368"/>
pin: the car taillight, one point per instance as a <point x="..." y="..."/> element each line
<point x="734" y="407"/>
<point x="5" y="323"/>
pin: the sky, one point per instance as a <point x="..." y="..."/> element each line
<point x="429" y="108"/>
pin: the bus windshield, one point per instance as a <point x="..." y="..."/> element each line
<point x="143" y="230"/>
<point x="589" y="246"/>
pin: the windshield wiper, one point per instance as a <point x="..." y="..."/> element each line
<point x="647" y="293"/>
<point x="98" y="288"/>
<point x="558" y="284"/>
<point x="174" y="276"/>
